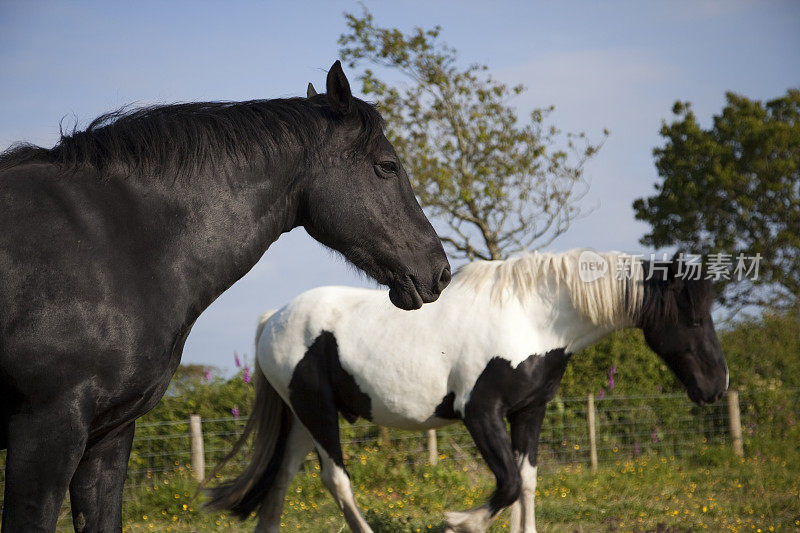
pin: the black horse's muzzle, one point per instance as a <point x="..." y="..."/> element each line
<point x="409" y="292"/>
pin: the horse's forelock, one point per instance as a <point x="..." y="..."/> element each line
<point x="661" y="301"/>
<point x="701" y="297"/>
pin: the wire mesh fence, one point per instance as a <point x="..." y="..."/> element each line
<point x="626" y="427"/>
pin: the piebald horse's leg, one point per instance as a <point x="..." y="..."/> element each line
<point x="298" y="445"/>
<point x="486" y="425"/>
<point x="337" y="481"/>
<point x="313" y="400"/>
<point x="96" y="488"/>
<point x="526" y="425"/>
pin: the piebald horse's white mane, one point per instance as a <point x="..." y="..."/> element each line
<point x="608" y="300"/>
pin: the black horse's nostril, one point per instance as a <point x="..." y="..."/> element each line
<point x="444" y="279"/>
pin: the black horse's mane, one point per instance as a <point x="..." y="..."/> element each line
<point x="660" y="303"/>
<point x="180" y="139"/>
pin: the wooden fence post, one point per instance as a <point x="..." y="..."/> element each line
<point x="433" y="449"/>
<point x="386" y="437"/>
<point x="735" y="422"/>
<point x="590" y="415"/>
<point x="198" y="453"/>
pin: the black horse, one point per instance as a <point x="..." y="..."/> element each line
<point x="114" y="241"/>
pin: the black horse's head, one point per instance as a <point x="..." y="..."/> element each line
<point x="677" y="324"/>
<point x="359" y="201"/>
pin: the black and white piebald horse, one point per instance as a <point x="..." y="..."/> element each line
<point x="114" y="241"/>
<point x="493" y="347"/>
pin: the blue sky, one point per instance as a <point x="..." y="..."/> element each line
<point x="615" y="65"/>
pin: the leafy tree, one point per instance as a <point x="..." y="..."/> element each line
<point x="499" y="185"/>
<point x="762" y="352"/>
<point x="734" y="188"/>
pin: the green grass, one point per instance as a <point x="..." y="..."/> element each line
<point x="711" y="490"/>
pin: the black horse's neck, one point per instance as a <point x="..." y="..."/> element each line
<point x="222" y="225"/>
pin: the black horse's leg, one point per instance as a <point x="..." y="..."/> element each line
<point x="44" y="448"/>
<point x="526" y="427"/>
<point x="96" y="488"/>
<point x="486" y="425"/>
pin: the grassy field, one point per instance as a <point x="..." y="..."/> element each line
<point x="711" y="490"/>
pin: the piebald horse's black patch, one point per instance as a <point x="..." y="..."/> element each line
<point x="320" y="375"/>
<point x="534" y="380"/>
<point x="446" y="409"/>
<point x="503" y="391"/>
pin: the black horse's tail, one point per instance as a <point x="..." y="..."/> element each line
<point x="270" y="423"/>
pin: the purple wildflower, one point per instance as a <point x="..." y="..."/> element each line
<point x="208" y="375"/>
<point x="637" y="451"/>
<point x="236" y="359"/>
<point x="611" y="377"/>
<point x="246" y="374"/>
<point x="658" y="388"/>
<point x="235" y="412"/>
<point x="654" y="436"/>
<point x="601" y="395"/>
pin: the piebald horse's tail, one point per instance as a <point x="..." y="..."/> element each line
<point x="270" y="423"/>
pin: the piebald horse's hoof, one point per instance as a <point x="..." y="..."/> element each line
<point x="474" y="521"/>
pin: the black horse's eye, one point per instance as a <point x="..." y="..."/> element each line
<point x="386" y="169"/>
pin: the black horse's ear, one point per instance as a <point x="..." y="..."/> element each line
<point x="310" y="91"/>
<point x="339" y="96"/>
